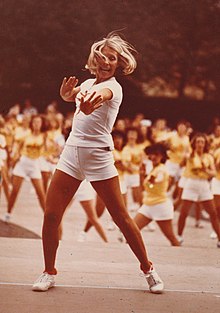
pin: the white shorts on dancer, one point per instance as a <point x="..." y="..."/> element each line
<point x="158" y="212"/>
<point x="132" y="180"/>
<point x="27" y="167"/>
<point x="92" y="164"/>
<point x="197" y="190"/>
<point x="215" y="186"/>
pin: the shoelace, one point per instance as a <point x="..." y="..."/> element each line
<point x="44" y="278"/>
<point x="152" y="280"/>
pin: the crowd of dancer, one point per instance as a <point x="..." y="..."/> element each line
<point x="163" y="169"/>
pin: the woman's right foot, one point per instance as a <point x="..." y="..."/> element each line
<point x="44" y="282"/>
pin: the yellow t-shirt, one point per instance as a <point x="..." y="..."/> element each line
<point x="21" y="133"/>
<point x="195" y="163"/>
<point x="33" y="146"/>
<point x="51" y="147"/>
<point x="134" y="156"/>
<point x="179" y="147"/>
<point x="217" y="162"/>
<point x="156" y="192"/>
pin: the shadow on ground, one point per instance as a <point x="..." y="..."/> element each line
<point x="15" y="231"/>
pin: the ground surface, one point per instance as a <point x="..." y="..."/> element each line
<point x="98" y="277"/>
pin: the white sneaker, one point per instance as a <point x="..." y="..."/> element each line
<point x="180" y="239"/>
<point x="155" y="283"/>
<point x="44" y="282"/>
<point x="7" y="217"/>
<point x="213" y="235"/>
<point x="82" y="236"/>
<point x="151" y="227"/>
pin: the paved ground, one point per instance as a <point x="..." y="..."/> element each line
<point x="98" y="277"/>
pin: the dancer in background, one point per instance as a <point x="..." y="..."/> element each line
<point x="27" y="164"/>
<point x="156" y="204"/>
<point x="200" y="169"/>
<point x="88" y="154"/>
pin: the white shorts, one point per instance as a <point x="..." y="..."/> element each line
<point x="27" y="167"/>
<point x="46" y="166"/>
<point x="173" y="169"/>
<point x="3" y="154"/>
<point x="158" y="212"/>
<point x="197" y="190"/>
<point x="132" y="180"/>
<point x="215" y="186"/>
<point x="182" y="182"/>
<point x="123" y="186"/>
<point x="92" y="164"/>
<point x="85" y="192"/>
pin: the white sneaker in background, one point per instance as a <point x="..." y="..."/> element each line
<point x="44" y="282"/>
<point x="151" y="226"/>
<point x="180" y="239"/>
<point x="7" y="217"/>
<point x="82" y="236"/>
<point x="213" y="235"/>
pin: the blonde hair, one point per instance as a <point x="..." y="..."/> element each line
<point x="125" y="51"/>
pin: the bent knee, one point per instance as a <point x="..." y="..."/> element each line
<point x="52" y="218"/>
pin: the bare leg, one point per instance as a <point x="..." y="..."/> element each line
<point x="109" y="191"/>
<point x="137" y="195"/>
<point x="46" y="177"/>
<point x="210" y="208"/>
<point x="39" y="188"/>
<point x="186" y="205"/>
<point x="100" y="208"/>
<point x="60" y="192"/>
<point x="141" y="220"/>
<point x="167" y="229"/>
<point x="198" y="210"/>
<point x="217" y="205"/>
<point x="90" y="210"/>
<point x="16" y="186"/>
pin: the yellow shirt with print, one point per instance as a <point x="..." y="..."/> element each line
<point x="195" y="164"/>
<point x="33" y="146"/>
<point x="134" y="156"/>
<point x="179" y="147"/>
<point x="156" y="192"/>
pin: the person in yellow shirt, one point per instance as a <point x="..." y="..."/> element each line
<point x="215" y="187"/>
<point x="27" y="164"/>
<point x="214" y="139"/>
<point x="179" y="150"/>
<point x="200" y="169"/>
<point x="132" y="159"/>
<point x="156" y="204"/>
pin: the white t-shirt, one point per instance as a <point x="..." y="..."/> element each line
<point x="94" y="130"/>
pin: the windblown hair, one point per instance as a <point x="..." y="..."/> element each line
<point x="127" y="61"/>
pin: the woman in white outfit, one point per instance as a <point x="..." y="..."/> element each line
<point x="88" y="155"/>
